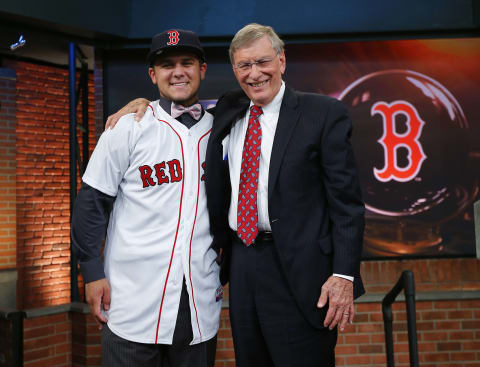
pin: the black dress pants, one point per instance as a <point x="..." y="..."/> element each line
<point x="268" y="327"/>
<point x="118" y="352"/>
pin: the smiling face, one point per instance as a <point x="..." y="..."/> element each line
<point x="260" y="83"/>
<point x="177" y="76"/>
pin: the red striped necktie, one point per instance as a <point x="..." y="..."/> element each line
<point x="247" y="214"/>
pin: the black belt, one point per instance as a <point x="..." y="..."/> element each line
<point x="263" y="236"/>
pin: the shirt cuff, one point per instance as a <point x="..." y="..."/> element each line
<point x="92" y="270"/>
<point x="343" y="276"/>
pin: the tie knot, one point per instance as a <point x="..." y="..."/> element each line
<point x="255" y="111"/>
<point x="194" y="110"/>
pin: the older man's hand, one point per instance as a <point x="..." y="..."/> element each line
<point x="137" y="106"/>
<point x="338" y="293"/>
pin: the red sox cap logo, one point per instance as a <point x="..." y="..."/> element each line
<point x="173" y="38"/>
<point x="391" y="141"/>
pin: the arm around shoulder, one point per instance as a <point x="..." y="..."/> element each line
<point x="137" y="106"/>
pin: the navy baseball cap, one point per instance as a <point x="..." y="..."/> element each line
<point x="175" y="39"/>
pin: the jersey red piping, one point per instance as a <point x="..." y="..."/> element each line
<point x="193" y="228"/>
<point x="178" y="225"/>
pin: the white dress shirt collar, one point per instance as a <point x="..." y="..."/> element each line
<point x="274" y="105"/>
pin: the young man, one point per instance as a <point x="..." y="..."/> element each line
<point x="157" y="295"/>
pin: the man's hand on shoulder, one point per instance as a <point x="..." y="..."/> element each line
<point x="97" y="294"/>
<point x="338" y="293"/>
<point x="137" y="106"/>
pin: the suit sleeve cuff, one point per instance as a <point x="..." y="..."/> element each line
<point x="343" y="276"/>
<point x="92" y="270"/>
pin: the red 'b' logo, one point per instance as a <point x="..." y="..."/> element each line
<point x="173" y="38"/>
<point x="392" y="141"/>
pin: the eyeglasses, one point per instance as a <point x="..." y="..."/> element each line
<point x="245" y="67"/>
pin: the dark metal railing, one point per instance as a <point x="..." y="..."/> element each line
<point x="15" y="356"/>
<point x="75" y="158"/>
<point x="406" y="283"/>
<point x="74" y="293"/>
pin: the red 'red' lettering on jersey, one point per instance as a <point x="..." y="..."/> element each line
<point x="173" y="38"/>
<point x="175" y="170"/>
<point x="160" y="172"/>
<point x="392" y="141"/>
<point x="145" y="173"/>
<point x="203" y="175"/>
<point x="165" y="172"/>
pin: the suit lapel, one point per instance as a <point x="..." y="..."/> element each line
<point x="228" y="114"/>
<point x="287" y="120"/>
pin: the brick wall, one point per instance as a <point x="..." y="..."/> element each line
<point x="8" y="217"/>
<point x="448" y="335"/>
<point x="43" y="203"/>
<point x="48" y="341"/>
<point x="66" y="337"/>
<point x="431" y="275"/>
<point x="86" y="349"/>
<point x="225" y="356"/>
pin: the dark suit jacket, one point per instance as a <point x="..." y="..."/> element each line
<point x="314" y="200"/>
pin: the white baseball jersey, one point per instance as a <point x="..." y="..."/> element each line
<point x="158" y="231"/>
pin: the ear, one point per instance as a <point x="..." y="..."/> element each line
<point x="283" y="62"/>
<point x="203" y="70"/>
<point x="151" y="72"/>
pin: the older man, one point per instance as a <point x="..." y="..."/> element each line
<point x="286" y="208"/>
<point x="295" y="210"/>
